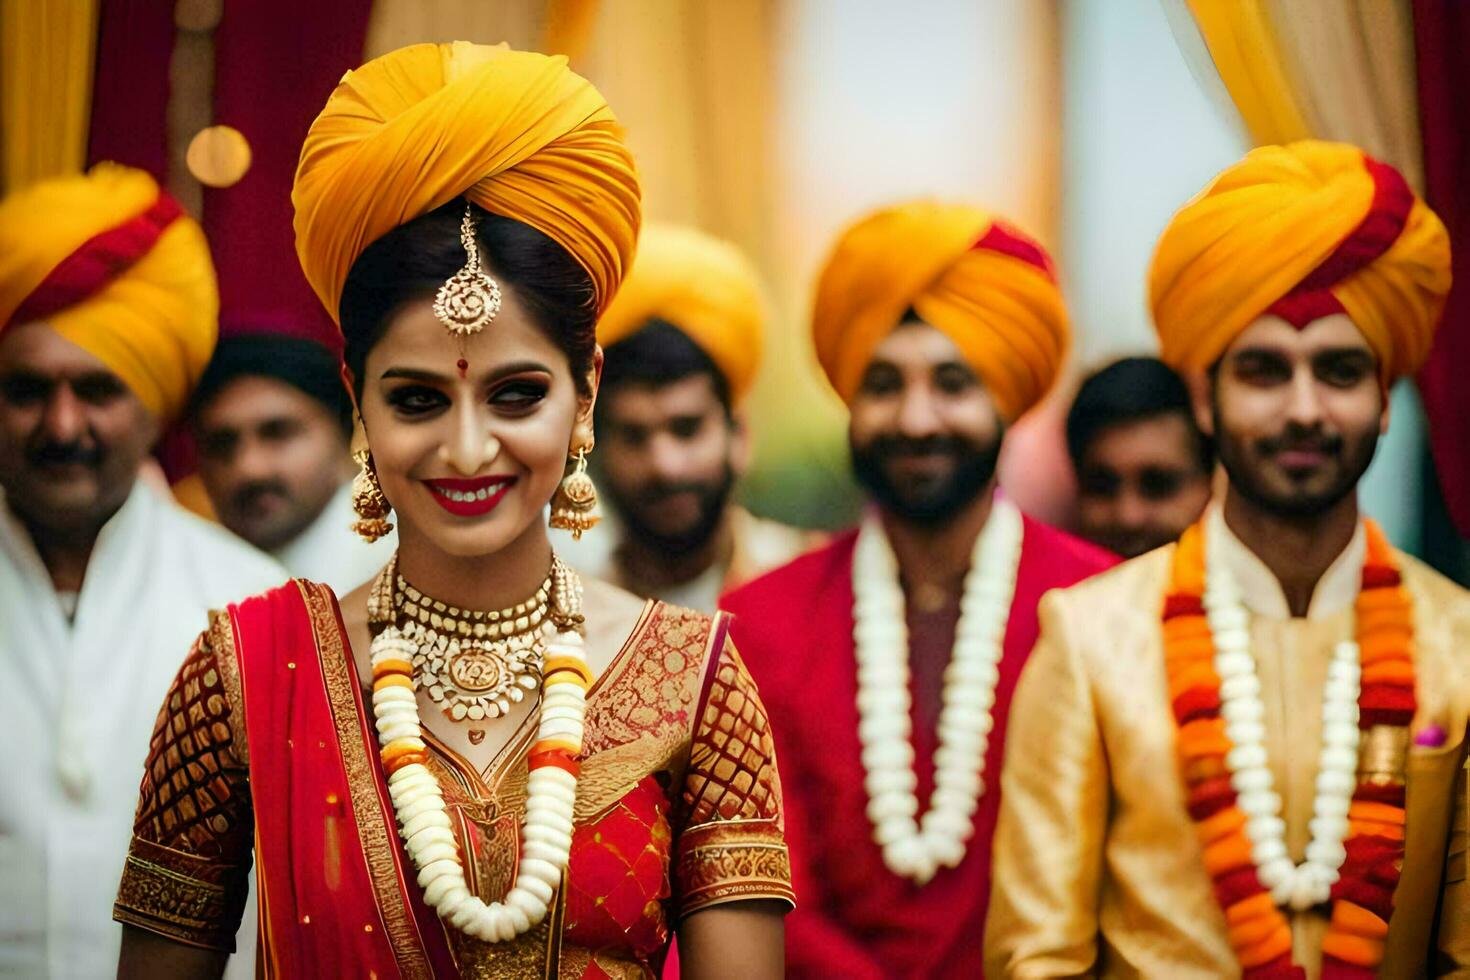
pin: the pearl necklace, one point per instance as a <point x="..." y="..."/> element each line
<point x="915" y="848"/>
<point x="1301" y="886"/>
<point x="418" y="801"/>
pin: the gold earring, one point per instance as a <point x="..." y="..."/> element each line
<point x="368" y="500"/>
<point x="574" y="505"/>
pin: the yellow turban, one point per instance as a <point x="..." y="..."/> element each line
<point x="1302" y="231"/>
<point x="113" y="264"/>
<point x="987" y="286"/>
<point x="701" y="285"/>
<point x="517" y="133"/>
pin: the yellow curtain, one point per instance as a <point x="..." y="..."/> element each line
<point x="569" y="26"/>
<point x="396" y="23"/>
<point x="1333" y="69"/>
<point x="47" y="49"/>
<point x="1243" y="45"/>
<point x="1351" y="65"/>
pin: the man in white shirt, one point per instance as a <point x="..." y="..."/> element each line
<point x="108" y="312"/>
<point x="273" y="422"/>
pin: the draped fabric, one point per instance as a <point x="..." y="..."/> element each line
<point x="1247" y="53"/>
<point x="266" y="741"/>
<point x="1442" y="29"/>
<point x="45" y="88"/>
<point x="129" y="124"/>
<point x="250" y="222"/>
<point x="1331" y="69"/>
<point x="516" y="132"/>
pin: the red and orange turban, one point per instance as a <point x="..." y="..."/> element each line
<point x="701" y="285"/>
<point x="1302" y="231"/>
<point x="988" y="287"/>
<point x="112" y="263"/>
<point x="517" y="133"/>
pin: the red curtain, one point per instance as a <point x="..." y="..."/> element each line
<point x="276" y="61"/>
<point x="130" y="93"/>
<point x="1442" y="38"/>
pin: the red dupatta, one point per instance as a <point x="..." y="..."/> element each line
<point x="336" y="896"/>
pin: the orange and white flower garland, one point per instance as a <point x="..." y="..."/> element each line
<point x="1357" y="826"/>
<point x="1300" y="886"/>
<point x="551" y="788"/>
<point x="912" y="847"/>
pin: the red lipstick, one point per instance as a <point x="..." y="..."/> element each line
<point x="470" y="498"/>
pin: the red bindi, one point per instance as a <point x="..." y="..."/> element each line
<point x="463" y="366"/>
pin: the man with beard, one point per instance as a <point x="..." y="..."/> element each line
<point x="1244" y="753"/>
<point x="682" y="344"/>
<point x="1143" y="467"/>
<point x="108" y="314"/>
<point x="273" y="423"/>
<point x="887" y="660"/>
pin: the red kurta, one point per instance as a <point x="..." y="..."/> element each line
<point x="855" y="918"/>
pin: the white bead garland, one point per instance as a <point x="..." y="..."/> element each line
<point x="914" y="848"/>
<point x="1298" y="886"/>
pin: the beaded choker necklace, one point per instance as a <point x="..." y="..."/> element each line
<point x="474" y="665"/>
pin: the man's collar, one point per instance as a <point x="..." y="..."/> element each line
<point x="1336" y="590"/>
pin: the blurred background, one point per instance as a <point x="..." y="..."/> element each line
<point x="774" y="122"/>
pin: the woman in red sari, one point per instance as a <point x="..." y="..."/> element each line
<point x="476" y="765"/>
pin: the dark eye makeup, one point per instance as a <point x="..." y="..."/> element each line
<point x="414" y="400"/>
<point x="510" y="396"/>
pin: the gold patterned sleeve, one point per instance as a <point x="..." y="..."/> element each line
<point x="185" y="877"/>
<point x="732" y="846"/>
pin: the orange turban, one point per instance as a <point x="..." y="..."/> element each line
<point x="1301" y="231"/>
<point x="517" y="133"/>
<point x="112" y="263"/>
<point x="701" y="285"/>
<point x="987" y="286"/>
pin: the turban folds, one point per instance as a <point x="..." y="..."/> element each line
<point x="517" y="133"/>
<point x="701" y="285"/>
<point x="987" y="286"/>
<point x="1301" y="231"/>
<point x="112" y="263"/>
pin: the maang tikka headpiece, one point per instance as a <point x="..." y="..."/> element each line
<point x="469" y="299"/>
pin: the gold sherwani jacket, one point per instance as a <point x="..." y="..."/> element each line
<point x="1097" y="870"/>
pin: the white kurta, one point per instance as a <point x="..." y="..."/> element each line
<point x="330" y="552"/>
<point x="79" y="701"/>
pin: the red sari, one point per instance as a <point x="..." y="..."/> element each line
<point x="267" y="736"/>
<point x="858" y="919"/>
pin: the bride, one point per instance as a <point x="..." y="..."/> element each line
<point x="477" y="764"/>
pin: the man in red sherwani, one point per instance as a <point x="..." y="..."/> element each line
<point x="887" y="660"/>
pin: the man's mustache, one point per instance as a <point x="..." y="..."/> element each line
<point x="50" y="453"/>
<point x="657" y="493"/>
<point x="253" y="492"/>
<point x="1295" y="439"/>
<point x="890" y="447"/>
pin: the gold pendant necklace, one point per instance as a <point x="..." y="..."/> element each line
<point x="474" y="665"/>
